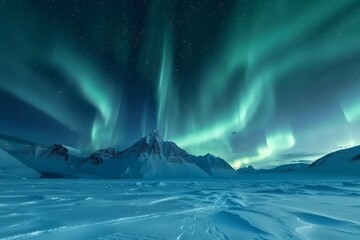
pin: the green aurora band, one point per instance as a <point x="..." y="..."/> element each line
<point x="234" y="90"/>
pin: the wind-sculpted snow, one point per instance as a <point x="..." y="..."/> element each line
<point x="139" y="210"/>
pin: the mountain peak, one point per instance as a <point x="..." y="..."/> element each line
<point x="250" y="167"/>
<point x="59" y="150"/>
<point x="101" y="156"/>
<point x="153" y="137"/>
<point x="209" y="155"/>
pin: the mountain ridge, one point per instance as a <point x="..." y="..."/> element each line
<point x="152" y="157"/>
<point x="149" y="157"/>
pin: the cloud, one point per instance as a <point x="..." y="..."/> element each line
<point x="301" y="156"/>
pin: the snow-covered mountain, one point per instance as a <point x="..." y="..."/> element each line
<point x="214" y="166"/>
<point x="101" y="156"/>
<point x="151" y="157"/>
<point x="51" y="161"/>
<point x="90" y="165"/>
<point x="287" y="168"/>
<point x="248" y="169"/>
<point x="13" y="168"/>
<point x="344" y="162"/>
<point x="9" y="143"/>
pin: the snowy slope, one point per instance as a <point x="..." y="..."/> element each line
<point x="286" y="168"/>
<point x="90" y="164"/>
<point x="345" y="162"/>
<point x="101" y="156"/>
<point x="51" y="161"/>
<point x="9" y="143"/>
<point x="215" y="166"/>
<point x="11" y="167"/>
<point x="292" y="167"/>
<point x="151" y="157"/>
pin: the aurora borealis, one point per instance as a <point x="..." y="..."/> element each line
<point x="255" y="82"/>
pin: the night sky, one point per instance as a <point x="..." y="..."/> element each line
<point x="254" y="82"/>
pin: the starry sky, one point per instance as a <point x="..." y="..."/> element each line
<point x="261" y="82"/>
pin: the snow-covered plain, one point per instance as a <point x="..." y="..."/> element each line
<point x="227" y="209"/>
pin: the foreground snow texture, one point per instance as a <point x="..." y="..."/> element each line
<point x="115" y="209"/>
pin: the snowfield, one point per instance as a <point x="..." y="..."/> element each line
<point x="228" y="209"/>
<point x="10" y="167"/>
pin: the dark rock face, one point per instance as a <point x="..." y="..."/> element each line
<point x="59" y="150"/>
<point x="94" y="159"/>
<point x="101" y="155"/>
<point x="248" y="169"/>
<point x="150" y="144"/>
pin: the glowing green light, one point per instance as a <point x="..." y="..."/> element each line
<point x="260" y="77"/>
<point x="248" y="105"/>
<point x="276" y="143"/>
<point x="164" y="83"/>
<point x="280" y="141"/>
<point x="94" y="89"/>
<point x="144" y="121"/>
<point x="167" y="110"/>
<point x="352" y="111"/>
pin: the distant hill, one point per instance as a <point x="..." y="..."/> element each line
<point x="13" y="168"/>
<point x="344" y="162"/>
<point x="15" y="139"/>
